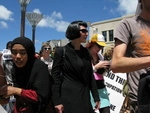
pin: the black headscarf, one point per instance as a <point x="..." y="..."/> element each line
<point x="21" y="75"/>
<point x="8" y="45"/>
<point x="34" y="75"/>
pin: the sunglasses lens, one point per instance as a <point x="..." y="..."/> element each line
<point x="47" y="48"/>
<point x="84" y="30"/>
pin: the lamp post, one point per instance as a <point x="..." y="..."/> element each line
<point x="34" y="19"/>
<point x="89" y="29"/>
<point x="23" y="4"/>
<point x="92" y="29"/>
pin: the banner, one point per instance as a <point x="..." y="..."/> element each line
<point x="114" y="84"/>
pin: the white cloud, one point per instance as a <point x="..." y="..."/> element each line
<point x="5" y="14"/>
<point x="112" y="11"/>
<point x="37" y="41"/>
<point x="127" y="6"/>
<point x="61" y="25"/>
<point x="3" y="24"/>
<point x="37" y="11"/>
<point x="56" y="15"/>
<point x="54" y="21"/>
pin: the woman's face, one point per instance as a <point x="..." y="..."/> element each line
<point x="97" y="48"/>
<point x="83" y="34"/>
<point x="46" y="50"/>
<point x="19" y="55"/>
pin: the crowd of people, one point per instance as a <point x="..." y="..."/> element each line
<point x="70" y="79"/>
<point x="33" y="79"/>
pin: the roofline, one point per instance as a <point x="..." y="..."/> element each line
<point x="112" y="20"/>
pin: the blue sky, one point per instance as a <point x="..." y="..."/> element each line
<point x="57" y="14"/>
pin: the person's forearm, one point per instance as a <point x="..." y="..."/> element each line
<point x="17" y="91"/>
<point x="125" y="64"/>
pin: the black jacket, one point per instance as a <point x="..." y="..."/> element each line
<point x="78" y="80"/>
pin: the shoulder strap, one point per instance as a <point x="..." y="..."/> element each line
<point x="63" y="58"/>
<point x="64" y="51"/>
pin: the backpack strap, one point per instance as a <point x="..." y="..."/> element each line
<point x="64" y="51"/>
<point x="63" y="59"/>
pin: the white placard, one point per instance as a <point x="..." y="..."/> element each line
<point x="2" y="110"/>
<point x="6" y="54"/>
<point x="114" y="84"/>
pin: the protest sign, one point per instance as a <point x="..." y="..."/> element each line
<point x="6" y="54"/>
<point x="2" y="110"/>
<point x="114" y="84"/>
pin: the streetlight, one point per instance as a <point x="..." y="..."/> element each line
<point x="23" y="4"/>
<point x="92" y="29"/>
<point x="34" y="19"/>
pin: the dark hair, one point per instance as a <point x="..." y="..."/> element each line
<point x="73" y="30"/>
<point x="140" y="1"/>
<point x="8" y="45"/>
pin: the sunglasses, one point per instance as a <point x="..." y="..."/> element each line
<point x="84" y="30"/>
<point x="47" y="48"/>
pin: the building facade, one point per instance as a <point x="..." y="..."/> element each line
<point x="105" y="28"/>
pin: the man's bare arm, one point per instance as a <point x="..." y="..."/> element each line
<point x="121" y="63"/>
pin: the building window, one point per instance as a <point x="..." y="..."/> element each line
<point x="111" y="35"/>
<point x="104" y="33"/>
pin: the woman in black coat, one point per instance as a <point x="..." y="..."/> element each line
<point x="71" y="93"/>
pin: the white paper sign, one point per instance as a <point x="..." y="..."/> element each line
<point x="2" y="110"/>
<point x="6" y="54"/>
<point x="114" y="84"/>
